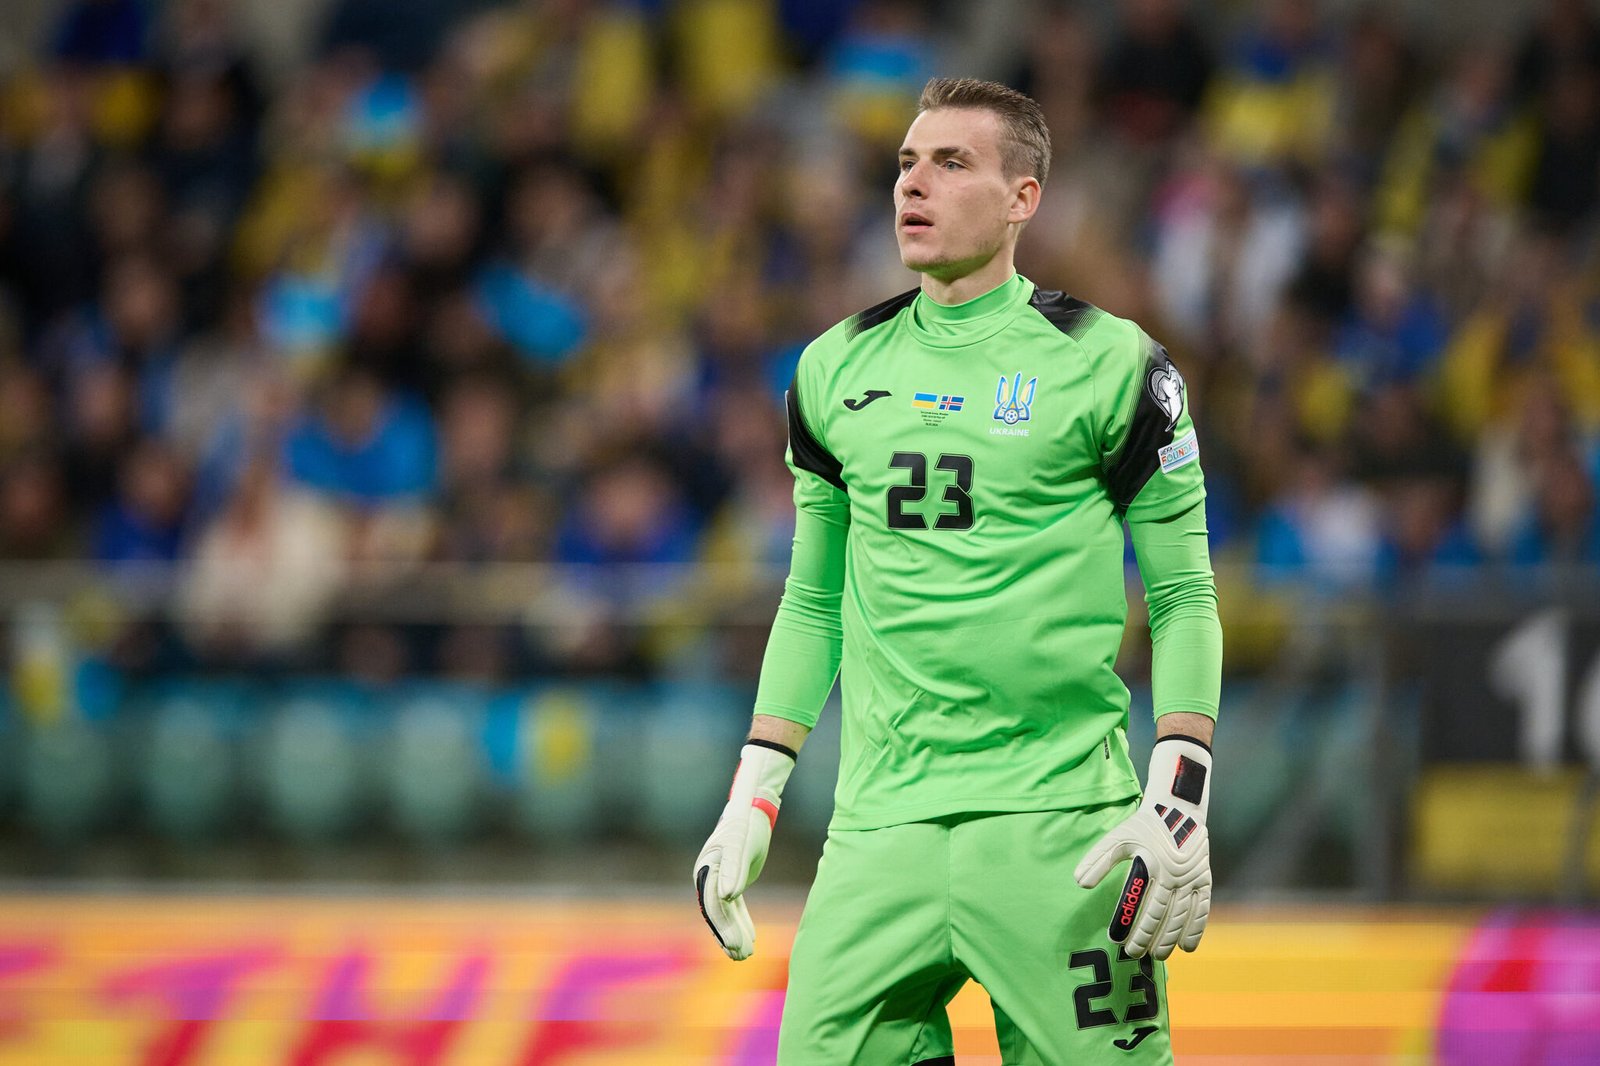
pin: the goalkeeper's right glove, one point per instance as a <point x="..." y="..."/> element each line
<point x="737" y="849"/>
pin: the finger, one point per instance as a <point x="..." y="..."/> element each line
<point x="1196" y="926"/>
<point x="1151" y="914"/>
<point x="1111" y="850"/>
<point x="730" y="880"/>
<point x="742" y="944"/>
<point x="729" y="921"/>
<point x="1172" y="926"/>
<point x="1127" y="909"/>
<point x="710" y="907"/>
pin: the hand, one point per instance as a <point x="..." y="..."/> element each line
<point x="1167" y="896"/>
<point x="737" y="849"/>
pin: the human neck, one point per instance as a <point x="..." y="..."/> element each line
<point x="957" y="290"/>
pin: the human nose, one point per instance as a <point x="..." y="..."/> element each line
<point x="912" y="185"/>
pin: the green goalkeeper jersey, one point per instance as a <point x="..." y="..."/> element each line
<point x="962" y="475"/>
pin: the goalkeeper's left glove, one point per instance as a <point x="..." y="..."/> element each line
<point x="737" y="849"/>
<point x="1167" y="895"/>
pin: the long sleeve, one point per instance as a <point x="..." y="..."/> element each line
<point x="807" y="639"/>
<point x="1185" y="634"/>
<point x="802" y="656"/>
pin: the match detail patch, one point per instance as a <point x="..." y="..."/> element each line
<point x="1181" y="452"/>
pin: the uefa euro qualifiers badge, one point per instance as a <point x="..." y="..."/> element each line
<point x="1165" y="386"/>
<point x="1013" y="403"/>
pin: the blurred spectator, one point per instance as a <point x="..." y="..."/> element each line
<point x="1531" y="325"/>
<point x="263" y="572"/>
<point x="205" y="156"/>
<point x="488" y="512"/>
<point x="812" y="25"/>
<point x="558" y="242"/>
<point x="880" y="61"/>
<point x="1376" y="75"/>
<point x="1156" y="70"/>
<point x="1324" y="282"/>
<point x="96" y="32"/>
<point x="1224" y="252"/>
<point x="1564" y="39"/>
<point x="478" y="424"/>
<point x="102" y="429"/>
<point x="1273" y="99"/>
<point x="1323" y="528"/>
<point x="1566" y="169"/>
<point x="34" y="520"/>
<point x="383" y="334"/>
<point x="631" y="511"/>
<point x="1564" y="527"/>
<point x="1062" y="65"/>
<point x="440" y="233"/>
<point x="365" y="445"/>
<point x="1471" y="126"/>
<point x="726" y="52"/>
<point x="147" y="520"/>
<point x="1395" y="330"/>
<point x="127" y="210"/>
<point x="1509" y="460"/>
<point x="53" y="174"/>
<point x="25" y="415"/>
<point x="402" y="34"/>
<point x="1425" y="535"/>
<point x="756" y="525"/>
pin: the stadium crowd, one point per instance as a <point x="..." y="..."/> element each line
<point x="525" y="283"/>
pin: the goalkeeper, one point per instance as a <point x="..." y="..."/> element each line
<point x="965" y="457"/>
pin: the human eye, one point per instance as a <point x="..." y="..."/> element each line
<point x="905" y="165"/>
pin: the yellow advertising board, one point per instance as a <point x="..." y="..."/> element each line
<point x="387" y="981"/>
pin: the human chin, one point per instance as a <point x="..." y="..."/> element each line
<point x="920" y="257"/>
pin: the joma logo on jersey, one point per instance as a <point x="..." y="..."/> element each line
<point x="1013" y="401"/>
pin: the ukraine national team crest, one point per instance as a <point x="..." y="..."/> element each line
<point x="1013" y="404"/>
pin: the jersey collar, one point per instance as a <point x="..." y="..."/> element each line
<point x="978" y="319"/>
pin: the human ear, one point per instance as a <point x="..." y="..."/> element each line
<point x="1024" y="199"/>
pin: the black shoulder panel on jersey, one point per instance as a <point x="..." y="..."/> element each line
<point x="1161" y="400"/>
<point x="808" y="452"/>
<point x="878" y="314"/>
<point x="1067" y="313"/>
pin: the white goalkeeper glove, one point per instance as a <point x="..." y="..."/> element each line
<point x="1167" y="895"/>
<point x="737" y="849"/>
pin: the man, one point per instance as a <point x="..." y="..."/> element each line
<point x="962" y="560"/>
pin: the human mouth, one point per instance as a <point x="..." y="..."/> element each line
<point x="912" y="222"/>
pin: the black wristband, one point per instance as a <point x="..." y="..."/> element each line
<point x="779" y="748"/>
<point x="1177" y="736"/>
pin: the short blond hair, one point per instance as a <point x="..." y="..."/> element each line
<point x="1025" y="146"/>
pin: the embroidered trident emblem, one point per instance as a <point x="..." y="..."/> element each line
<point x="1013" y="401"/>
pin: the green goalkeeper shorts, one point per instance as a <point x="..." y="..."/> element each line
<point x="900" y="918"/>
